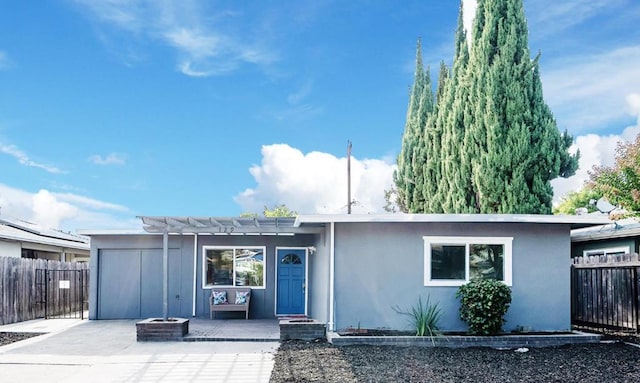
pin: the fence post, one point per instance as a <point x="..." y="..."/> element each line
<point x="636" y="297"/>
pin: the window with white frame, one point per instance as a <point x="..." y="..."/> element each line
<point x="454" y="261"/>
<point x="607" y="251"/>
<point x="233" y="266"/>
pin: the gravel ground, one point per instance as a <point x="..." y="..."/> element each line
<point x="321" y="362"/>
<point x="10" y="337"/>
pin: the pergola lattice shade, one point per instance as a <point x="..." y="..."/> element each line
<point x="224" y="225"/>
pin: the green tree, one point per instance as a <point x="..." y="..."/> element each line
<point x="454" y="194"/>
<point x="620" y="183"/>
<point x="422" y="151"/>
<point x="405" y="177"/>
<point x="279" y="211"/>
<point x="276" y="211"/>
<point x="492" y="145"/>
<point x="578" y="199"/>
<point x="517" y="149"/>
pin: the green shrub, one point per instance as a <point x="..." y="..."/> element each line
<point x="483" y="304"/>
<point x="424" y="317"/>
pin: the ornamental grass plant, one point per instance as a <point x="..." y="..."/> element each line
<point x="424" y="317"/>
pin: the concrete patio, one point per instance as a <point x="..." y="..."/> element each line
<point x="75" y="350"/>
<point x="230" y="330"/>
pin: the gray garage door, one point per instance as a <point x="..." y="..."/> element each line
<point x="130" y="283"/>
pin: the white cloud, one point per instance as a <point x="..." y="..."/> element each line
<point x="296" y="113"/>
<point x="469" y="8"/>
<point x="192" y="27"/>
<point x="596" y="150"/>
<point x="48" y="211"/>
<point x="24" y="159"/>
<point x="110" y="159"/>
<point x="633" y="103"/>
<point x="64" y="211"/>
<point x="187" y="69"/>
<point x="90" y="203"/>
<point x="548" y="17"/>
<point x="122" y="14"/>
<point x="196" y="43"/>
<point x="587" y="92"/>
<point x="315" y="182"/>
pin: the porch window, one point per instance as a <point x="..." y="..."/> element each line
<point x="233" y="266"/>
<point x="454" y="261"/>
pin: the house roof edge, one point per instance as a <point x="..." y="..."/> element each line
<point x="573" y="220"/>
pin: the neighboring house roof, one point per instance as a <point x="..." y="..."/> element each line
<point x="628" y="227"/>
<point x="22" y="231"/>
<point x="315" y="223"/>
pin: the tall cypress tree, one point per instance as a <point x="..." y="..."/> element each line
<point x="455" y="194"/>
<point x="491" y="144"/>
<point x="512" y="139"/>
<point x="433" y="136"/>
<point x="405" y="177"/>
<point x="422" y="151"/>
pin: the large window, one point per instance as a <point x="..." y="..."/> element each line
<point x="233" y="266"/>
<point x="454" y="261"/>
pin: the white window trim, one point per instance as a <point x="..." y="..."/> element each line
<point x="606" y="250"/>
<point x="204" y="266"/>
<point x="507" y="242"/>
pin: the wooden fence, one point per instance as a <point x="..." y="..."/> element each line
<point x="605" y="292"/>
<point x="21" y="291"/>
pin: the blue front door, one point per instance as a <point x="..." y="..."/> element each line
<point x="291" y="281"/>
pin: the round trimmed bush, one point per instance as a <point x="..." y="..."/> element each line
<point x="483" y="304"/>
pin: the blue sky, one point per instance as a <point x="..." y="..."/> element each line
<point x="112" y="109"/>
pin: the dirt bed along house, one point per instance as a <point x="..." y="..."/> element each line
<point x="321" y="362"/>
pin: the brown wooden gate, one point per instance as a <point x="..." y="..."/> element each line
<point x="606" y="296"/>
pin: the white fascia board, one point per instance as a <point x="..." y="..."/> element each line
<point x="579" y="221"/>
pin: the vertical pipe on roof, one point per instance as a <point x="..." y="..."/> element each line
<point x="165" y="276"/>
<point x="332" y="255"/>
<point x="195" y="272"/>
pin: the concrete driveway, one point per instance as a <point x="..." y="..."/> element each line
<point x="106" y="351"/>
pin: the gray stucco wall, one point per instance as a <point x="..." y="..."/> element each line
<point x="319" y="279"/>
<point x="130" y="248"/>
<point x="381" y="265"/>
